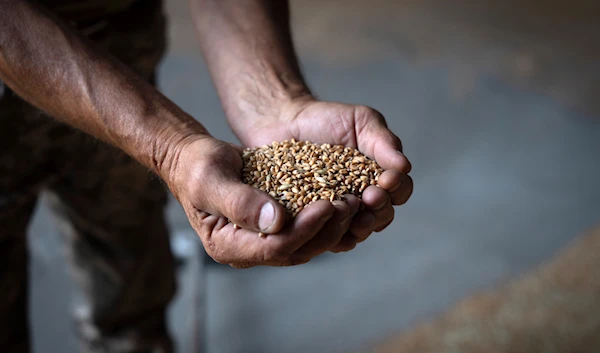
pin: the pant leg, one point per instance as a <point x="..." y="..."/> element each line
<point x="124" y="265"/>
<point x="14" y="330"/>
<point x="111" y="210"/>
<point x="27" y="163"/>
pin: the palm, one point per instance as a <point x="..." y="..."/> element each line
<point x="319" y="122"/>
<point x="335" y="123"/>
<point x="350" y="125"/>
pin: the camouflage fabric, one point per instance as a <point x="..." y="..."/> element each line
<point x="109" y="208"/>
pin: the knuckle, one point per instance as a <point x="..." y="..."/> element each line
<point x="214" y="252"/>
<point x="275" y="255"/>
<point x="242" y="265"/>
<point x="344" y="229"/>
<point x="401" y="200"/>
<point x="391" y="214"/>
<point x="396" y="141"/>
<point x="298" y="260"/>
<point x="386" y="221"/>
<point x="217" y="257"/>
<point x="404" y="194"/>
<point x="235" y="206"/>
<point x="368" y="112"/>
<point x="333" y="240"/>
<point x="362" y="234"/>
<point x="388" y="216"/>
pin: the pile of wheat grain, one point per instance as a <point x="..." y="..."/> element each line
<point x="298" y="173"/>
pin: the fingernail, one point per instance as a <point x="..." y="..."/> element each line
<point x="267" y="216"/>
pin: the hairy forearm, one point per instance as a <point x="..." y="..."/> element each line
<point x="248" y="49"/>
<point x="51" y="67"/>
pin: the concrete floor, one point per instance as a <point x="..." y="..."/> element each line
<point x="497" y="109"/>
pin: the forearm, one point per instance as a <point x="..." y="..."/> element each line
<point x="248" y="49"/>
<point x="51" y="67"/>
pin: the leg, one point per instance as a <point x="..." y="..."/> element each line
<point x="28" y="161"/>
<point x="118" y="238"/>
<point x="111" y="211"/>
<point x="14" y="330"/>
<point x="109" y="207"/>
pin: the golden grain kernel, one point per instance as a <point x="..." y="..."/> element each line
<point x="298" y="173"/>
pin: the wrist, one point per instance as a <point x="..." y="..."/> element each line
<point x="264" y="101"/>
<point x="260" y="106"/>
<point x="268" y="97"/>
<point x="168" y="144"/>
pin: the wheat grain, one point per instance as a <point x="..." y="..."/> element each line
<point x="298" y="173"/>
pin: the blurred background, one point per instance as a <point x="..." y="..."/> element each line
<point x="498" y="106"/>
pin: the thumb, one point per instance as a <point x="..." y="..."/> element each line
<point x="249" y="207"/>
<point x="209" y="177"/>
<point x="379" y="143"/>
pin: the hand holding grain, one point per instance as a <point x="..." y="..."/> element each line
<point x="359" y="127"/>
<point x="206" y="179"/>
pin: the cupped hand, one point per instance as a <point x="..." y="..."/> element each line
<point x="228" y="215"/>
<point x="360" y="127"/>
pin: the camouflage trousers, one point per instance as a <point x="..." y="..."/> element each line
<point x="109" y="208"/>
